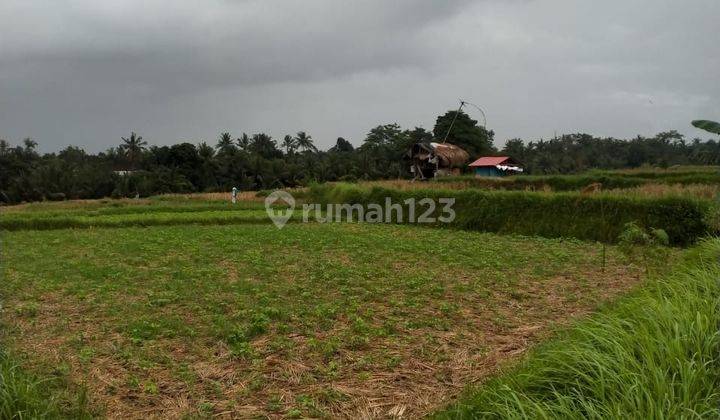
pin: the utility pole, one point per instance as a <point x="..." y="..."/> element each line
<point x="462" y="103"/>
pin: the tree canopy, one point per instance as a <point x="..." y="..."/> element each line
<point x="465" y="132"/>
<point x="258" y="162"/>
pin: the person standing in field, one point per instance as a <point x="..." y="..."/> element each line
<point x="234" y="195"/>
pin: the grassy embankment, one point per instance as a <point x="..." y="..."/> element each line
<point x="655" y="354"/>
<point x="608" y="179"/>
<point x="153" y="212"/>
<point x="571" y="215"/>
<point x="586" y="217"/>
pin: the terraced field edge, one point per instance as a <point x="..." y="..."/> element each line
<point x="574" y="215"/>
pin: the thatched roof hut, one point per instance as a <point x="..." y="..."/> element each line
<point x="429" y="159"/>
<point x="450" y="156"/>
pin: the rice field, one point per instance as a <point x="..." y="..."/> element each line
<point x="314" y="320"/>
<point x="653" y="190"/>
<point x="192" y="307"/>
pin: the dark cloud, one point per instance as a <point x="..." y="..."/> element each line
<point x="86" y="72"/>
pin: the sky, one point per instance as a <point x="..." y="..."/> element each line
<point x="88" y="72"/>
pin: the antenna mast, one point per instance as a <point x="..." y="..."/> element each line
<point x="462" y="104"/>
<point x="453" y="120"/>
<point x="479" y="109"/>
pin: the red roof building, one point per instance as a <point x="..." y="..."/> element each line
<point x="491" y="161"/>
<point x="495" y="166"/>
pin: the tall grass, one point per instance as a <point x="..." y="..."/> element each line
<point x="573" y="215"/>
<point x="701" y="191"/>
<point x="22" y="396"/>
<point x="59" y="221"/>
<point x="650" y="172"/>
<point x="92" y="209"/>
<point x="25" y="396"/>
<point x="609" y="180"/>
<point x="148" y="214"/>
<point x="655" y="354"/>
<point x="249" y="196"/>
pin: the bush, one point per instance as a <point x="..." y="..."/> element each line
<point x="644" y="247"/>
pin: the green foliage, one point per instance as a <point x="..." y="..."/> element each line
<point x="146" y="183"/>
<point x="644" y="246"/>
<point x="133" y="147"/>
<point x="215" y="217"/>
<point x="23" y="396"/>
<point x="41" y="216"/>
<point x="660" y="237"/>
<point x="598" y="218"/>
<point x="225" y="144"/>
<point x="573" y="153"/>
<point x="634" y="235"/>
<point x="465" y="132"/>
<point x="289" y="144"/>
<point x="709" y="126"/>
<point x="264" y="146"/>
<point x="239" y="338"/>
<point x="341" y="146"/>
<point x="310" y="293"/>
<point x="304" y="142"/>
<point x="655" y="354"/>
<point x="383" y="151"/>
<point x="257" y="162"/>
<point x="608" y="179"/>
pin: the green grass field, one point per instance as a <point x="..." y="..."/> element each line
<point x="311" y="320"/>
<point x="189" y="307"/>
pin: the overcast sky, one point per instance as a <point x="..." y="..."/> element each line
<point x="86" y="72"/>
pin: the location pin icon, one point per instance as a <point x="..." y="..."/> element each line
<point x="279" y="216"/>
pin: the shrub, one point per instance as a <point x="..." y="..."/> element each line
<point x="644" y="247"/>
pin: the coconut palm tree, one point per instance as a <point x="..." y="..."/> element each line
<point x="205" y="151"/>
<point x="208" y="166"/>
<point x="244" y="141"/>
<point x="133" y="147"/>
<point x="289" y="144"/>
<point x="304" y="142"/>
<point x="225" y="142"/>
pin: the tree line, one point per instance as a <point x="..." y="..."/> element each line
<point x="258" y="161"/>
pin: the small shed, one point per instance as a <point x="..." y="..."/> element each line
<point x="433" y="159"/>
<point x="496" y="166"/>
